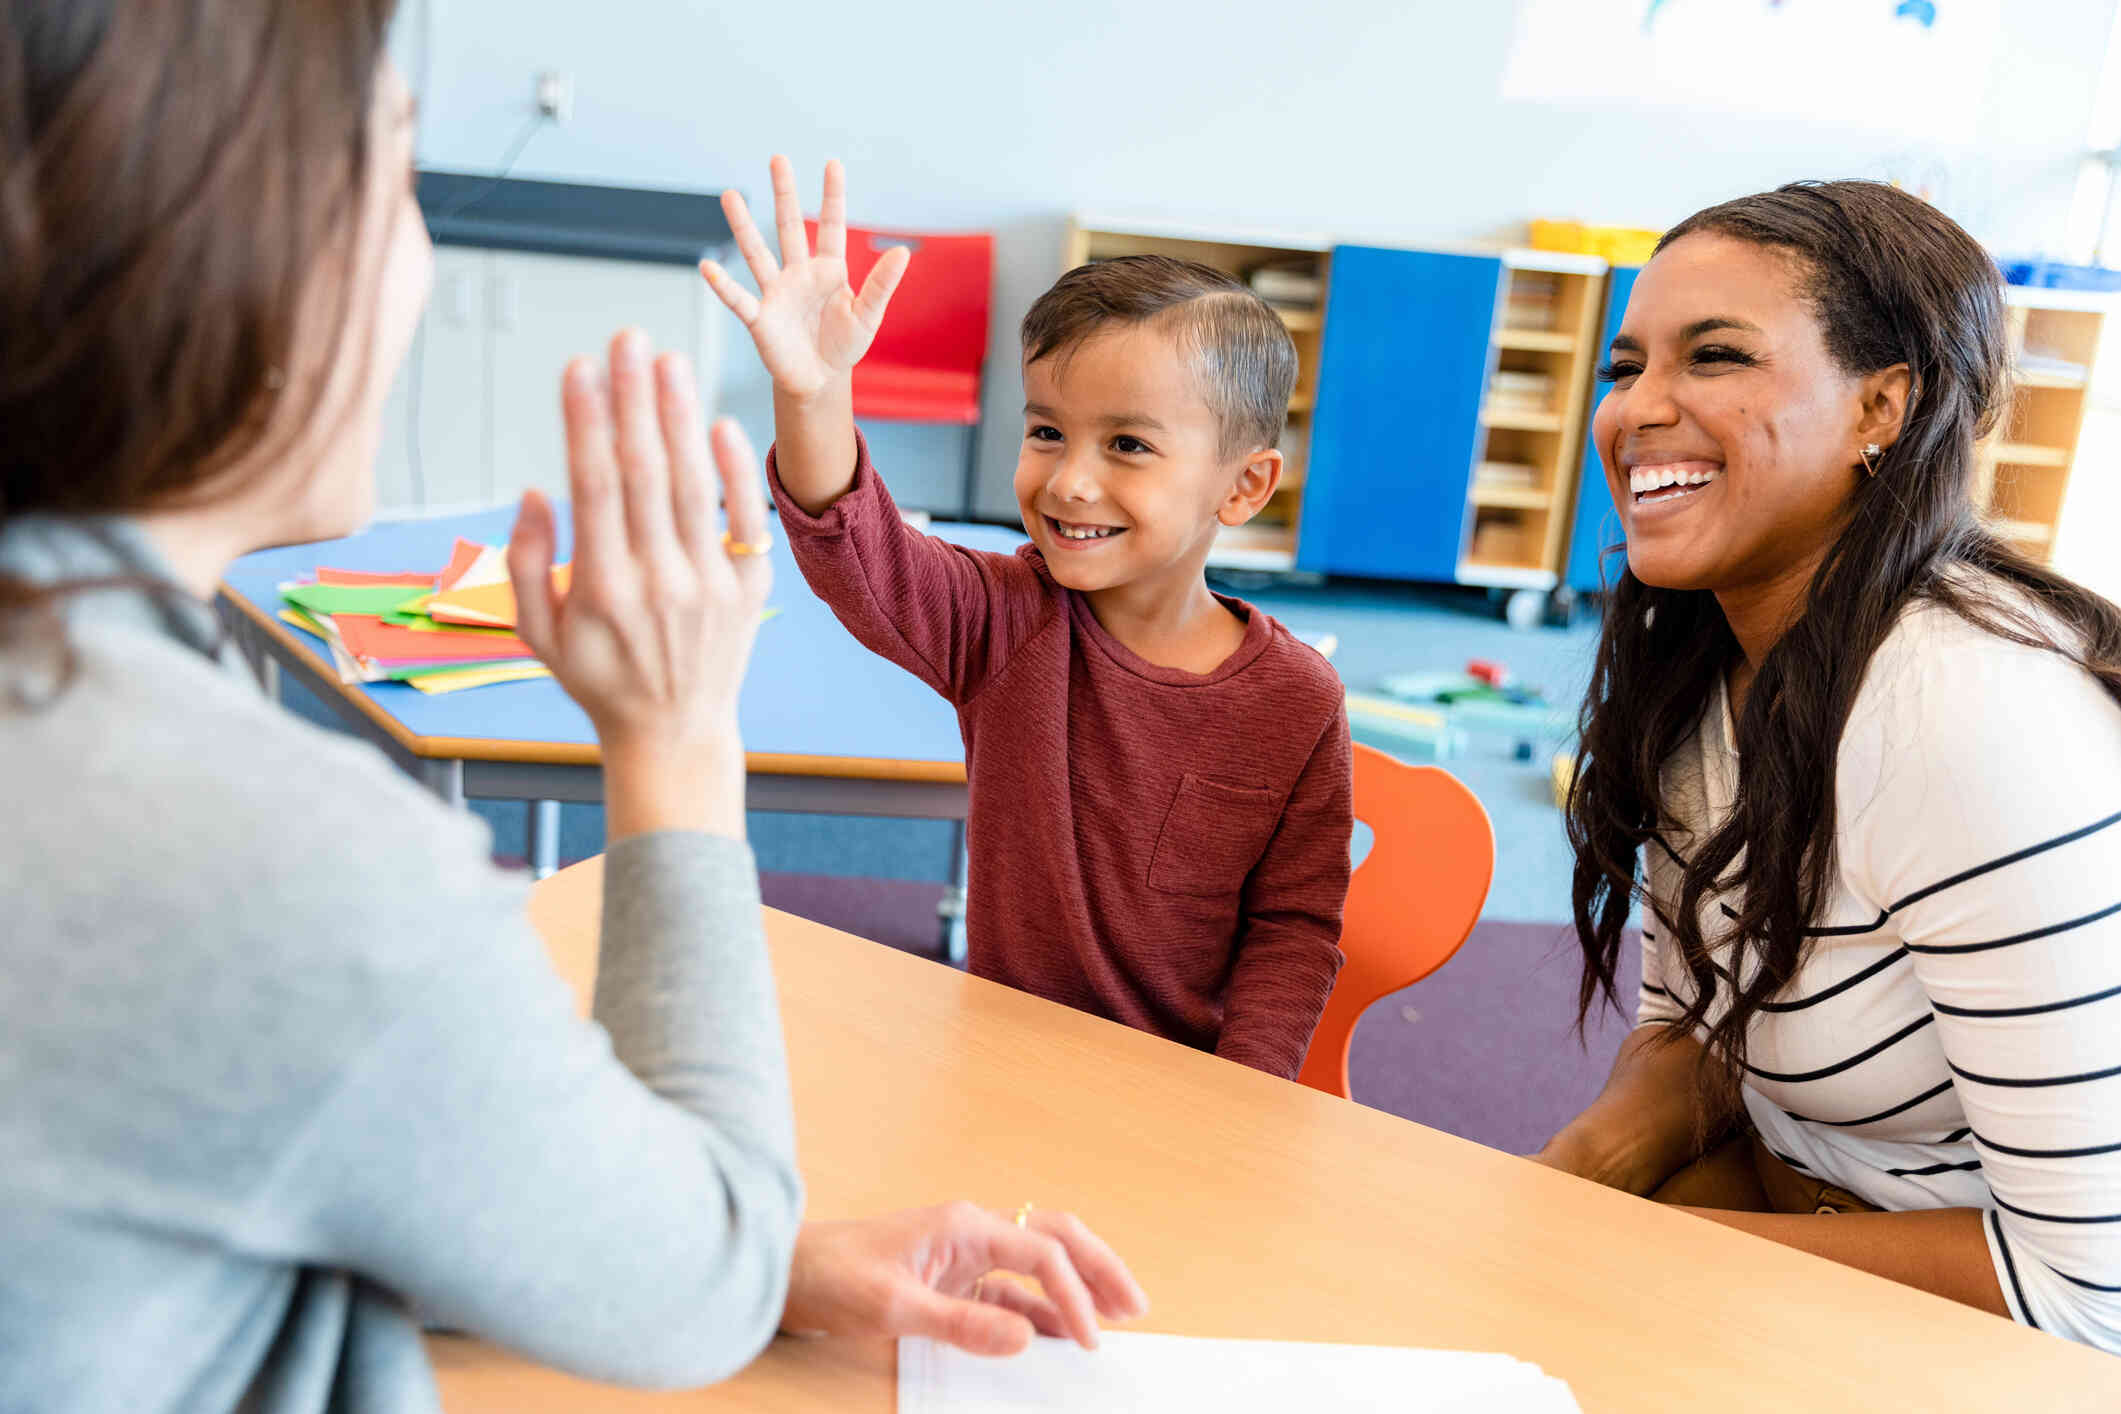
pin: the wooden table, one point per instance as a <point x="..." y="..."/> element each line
<point x="1251" y="1207"/>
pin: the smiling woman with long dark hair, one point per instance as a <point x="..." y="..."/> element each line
<point x="1861" y="763"/>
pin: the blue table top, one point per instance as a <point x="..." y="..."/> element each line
<point x="812" y="690"/>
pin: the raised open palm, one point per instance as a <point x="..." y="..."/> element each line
<point x="809" y="325"/>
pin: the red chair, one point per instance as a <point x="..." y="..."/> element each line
<point x="1413" y="900"/>
<point x="926" y="361"/>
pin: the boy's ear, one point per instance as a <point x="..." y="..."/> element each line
<point x="1256" y="482"/>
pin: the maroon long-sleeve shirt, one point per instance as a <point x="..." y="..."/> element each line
<point x="1164" y="848"/>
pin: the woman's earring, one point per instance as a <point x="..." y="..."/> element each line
<point x="1871" y="450"/>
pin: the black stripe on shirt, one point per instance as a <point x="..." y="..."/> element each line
<point x="2089" y="1151"/>
<point x="2078" y="1281"/>
<point x="2065" y="1005"/>
<point x="2034" y="1082"/>
<point x="2057" y="1217"/>
<point x="1839" y="987"/>
<point x="1799" y="1077"/>
<point x="1935" y="1168"/>
<point x="2010" y="1269"/>
<point x="1847" y="930"/>
<point x="1994" y="864"/>
<point x="1930" y="1094"/>
<point x="1955" y="1136"/>
<point x="2048" y="932"/>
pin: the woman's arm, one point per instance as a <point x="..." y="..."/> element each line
<point x="1646" y="1124"/>
<point x="620" y="1200"/>
<point x="1943" y="1250"/>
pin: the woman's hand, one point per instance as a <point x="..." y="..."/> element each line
<point x="654" y="632"/>
<point x="809" y="325"/>
<point x="934" y="1272"/>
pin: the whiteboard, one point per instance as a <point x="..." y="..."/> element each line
<point x="1915" y="68"/>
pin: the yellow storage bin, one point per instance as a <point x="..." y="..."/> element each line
<point x="1616" y="245"/>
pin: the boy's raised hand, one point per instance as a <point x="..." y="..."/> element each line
<point x="809" y="325"/>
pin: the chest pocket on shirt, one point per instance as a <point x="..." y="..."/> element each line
<point x="1213" y="834"/>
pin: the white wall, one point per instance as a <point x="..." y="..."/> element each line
<point x="1374" y="118"/>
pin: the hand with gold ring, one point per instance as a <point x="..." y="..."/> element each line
<point x="737" y="549"/>
<point x="937" y="1272"/>
<point x="655" y="629"/>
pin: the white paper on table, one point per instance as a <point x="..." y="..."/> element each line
<point x="1132" y="1371"/>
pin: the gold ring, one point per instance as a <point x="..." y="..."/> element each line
<point x="738" y="549"/>
<point x="979" y="1288"/>
<point x="1023" y="1215"/>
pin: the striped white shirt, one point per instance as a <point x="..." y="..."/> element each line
<point x="1952" y="1038"/>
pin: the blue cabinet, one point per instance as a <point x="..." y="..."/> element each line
<point x="1597" y="525"/>
<point x="1402" y="367"/>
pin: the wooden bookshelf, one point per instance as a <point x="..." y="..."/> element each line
<point x="1540" y="357"/>
<point x="2022" y="473"/>
<point x="1268" y="542"/>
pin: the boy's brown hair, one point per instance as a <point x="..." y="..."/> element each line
<point x="1243" y="355"/>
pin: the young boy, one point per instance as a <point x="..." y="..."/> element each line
<point x="1159" y="775"/>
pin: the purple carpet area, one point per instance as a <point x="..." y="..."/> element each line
<point x="1485" y="1048"/>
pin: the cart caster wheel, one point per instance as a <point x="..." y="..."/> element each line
<point x="1526" y="609"/>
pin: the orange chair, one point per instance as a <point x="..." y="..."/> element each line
<point x="925" y="363"/>
<point x="1412" y="902"/>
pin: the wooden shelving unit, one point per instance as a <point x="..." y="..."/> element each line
<point x="1540" y="356"/>
<point x="2023" y="471"/>
<point x="1269" y="541"/>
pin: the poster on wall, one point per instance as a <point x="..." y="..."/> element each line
<point x="1915" y="68"/>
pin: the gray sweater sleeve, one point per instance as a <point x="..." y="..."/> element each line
<point x="619" y="1200"/>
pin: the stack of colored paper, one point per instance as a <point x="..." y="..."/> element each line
<point x="439" y="632"/>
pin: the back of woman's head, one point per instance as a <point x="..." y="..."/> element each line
<point x="171" y="172"/>
<point x="1889" y="281"/>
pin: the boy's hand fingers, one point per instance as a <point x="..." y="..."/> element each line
<point x="876" y="292"/>
<point x="788" y="214"/>
<point x="832" y="214"/>
<point x="749" y="242"/>
<point x="740" y="301"/>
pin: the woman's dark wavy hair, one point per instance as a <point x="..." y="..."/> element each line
<point x="171" y="173"/>
<point x="1892" y="280"/>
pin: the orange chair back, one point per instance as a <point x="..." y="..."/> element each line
<point x="1412" y="901"/>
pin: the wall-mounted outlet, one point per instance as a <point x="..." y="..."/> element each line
<point x="555" y="95"/>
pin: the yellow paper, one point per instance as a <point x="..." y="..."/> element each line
<point x="458" y="680"/>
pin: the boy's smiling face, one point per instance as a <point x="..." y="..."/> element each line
<point x="1122" y="478"/>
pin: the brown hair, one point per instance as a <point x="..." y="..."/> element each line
<point x="1239" y="347"/>
<point x="170" y="176"/>
<point x="1891" y="280"/>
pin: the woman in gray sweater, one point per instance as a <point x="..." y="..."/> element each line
<point x="283" y="1068"/>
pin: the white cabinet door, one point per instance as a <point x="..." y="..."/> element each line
<point x="544" y="309"/>
<point x="435" y="448"/>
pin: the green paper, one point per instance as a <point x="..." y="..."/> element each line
<point x="322" y="599"/>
